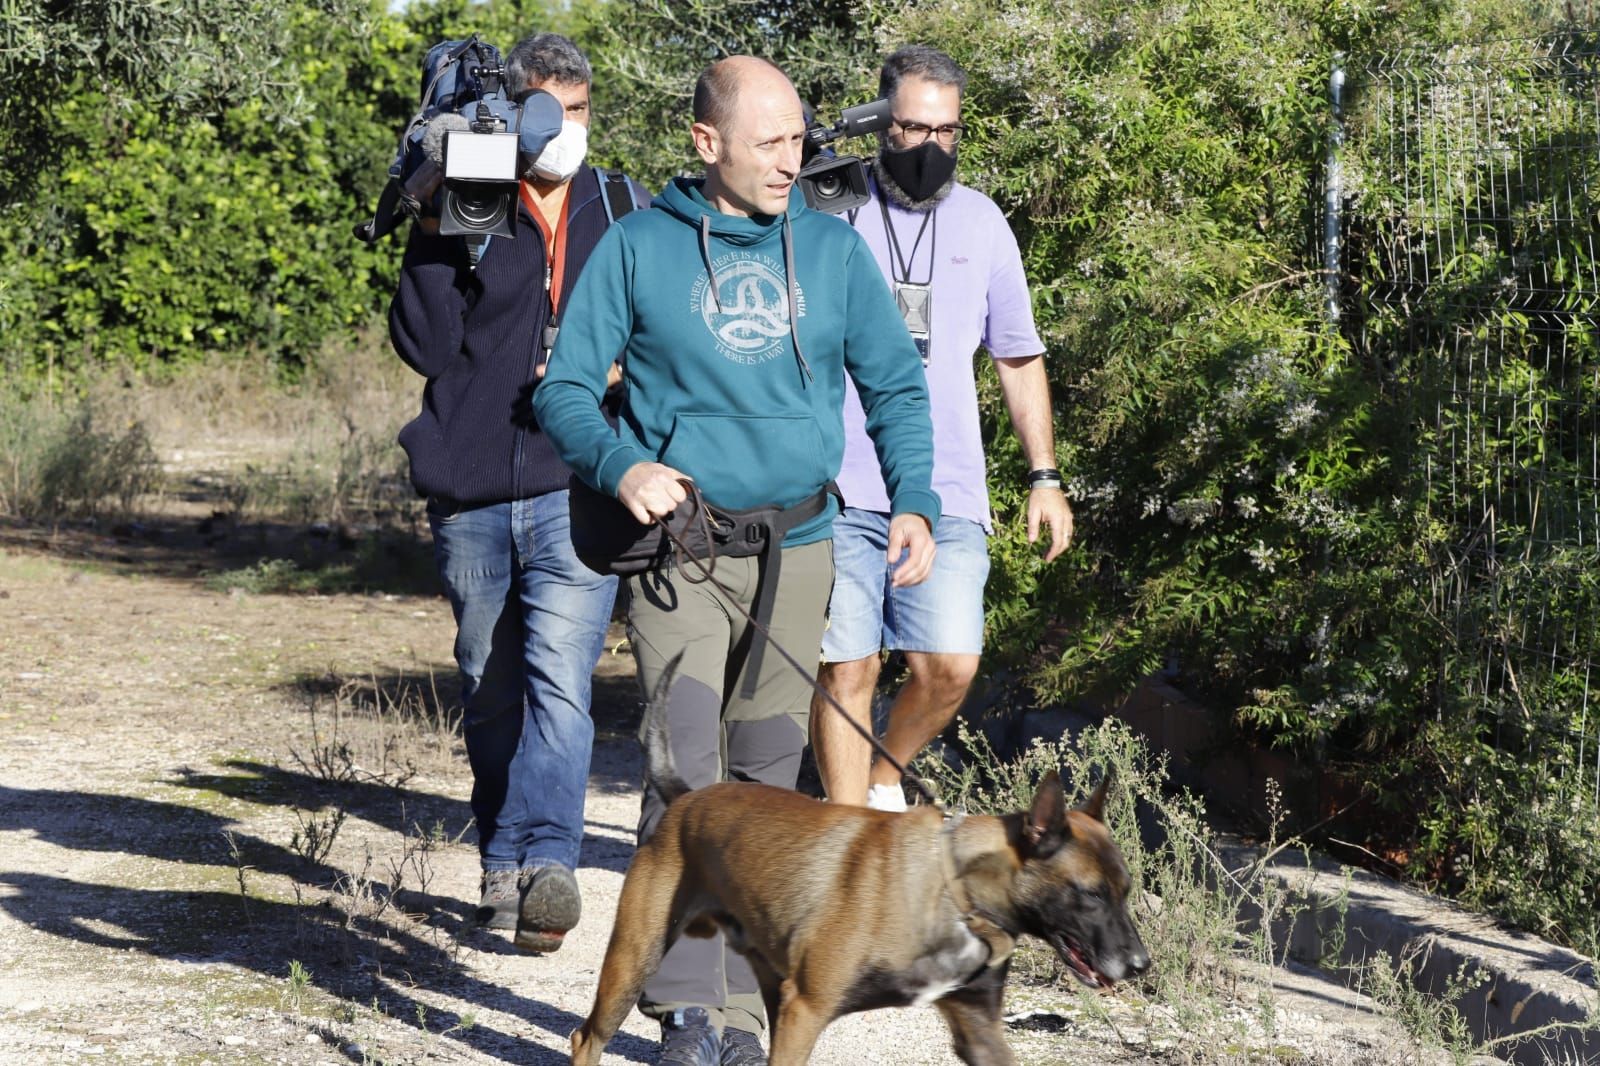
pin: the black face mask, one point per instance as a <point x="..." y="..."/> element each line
<point x="922" y="173"/>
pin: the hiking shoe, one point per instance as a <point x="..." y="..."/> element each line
<point x="688" y="1039"/>
<point x="497" y="905"/>
<point x="550" y="906"/>
<point x="740" y="1048"/>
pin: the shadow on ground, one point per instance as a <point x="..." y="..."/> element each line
<point x="354" y="959"/>
<point x="220" y="552"/>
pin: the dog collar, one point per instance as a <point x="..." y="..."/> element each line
<point x="1001" y="943"/>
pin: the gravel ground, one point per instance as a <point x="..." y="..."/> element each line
<point x="170" y="754"/>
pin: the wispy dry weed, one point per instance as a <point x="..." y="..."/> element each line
<point x="1189" y="906"/>
<point x="376" y="731"/>
<point x="317" y="449"/>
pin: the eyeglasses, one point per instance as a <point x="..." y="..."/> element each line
<point x="915" y="133"/>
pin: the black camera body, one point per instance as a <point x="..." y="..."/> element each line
<point x="837" y="183"/>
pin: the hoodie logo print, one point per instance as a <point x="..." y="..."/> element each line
<point x="748" y="314"/>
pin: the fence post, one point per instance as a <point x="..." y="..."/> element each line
<point x="1333" y="193"/>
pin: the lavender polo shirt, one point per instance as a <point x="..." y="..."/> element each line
<point x="980" y="297"/>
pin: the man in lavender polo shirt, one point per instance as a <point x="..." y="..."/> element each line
<point x="954" y="267"/>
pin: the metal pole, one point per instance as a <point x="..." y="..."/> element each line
<point x="1334" y="190"/>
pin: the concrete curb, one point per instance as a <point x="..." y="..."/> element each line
<point x="1532" y="984"/>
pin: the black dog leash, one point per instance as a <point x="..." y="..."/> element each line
<point x="865" y="732"/>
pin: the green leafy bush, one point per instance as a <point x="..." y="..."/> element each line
<point x="1251" y="507"/>
<point x="206" y="216"/>
<point x="165" y="233"/>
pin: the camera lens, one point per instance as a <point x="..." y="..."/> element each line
<point x="829" y="186"/>
<point x="479" y="211"/>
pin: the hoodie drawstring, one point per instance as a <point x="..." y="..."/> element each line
<point x="794" y="299"/>
<point x="705" y="254"/>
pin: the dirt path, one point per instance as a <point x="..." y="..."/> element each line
<point x="165" y="744"/>
<point x="173" y="758"/>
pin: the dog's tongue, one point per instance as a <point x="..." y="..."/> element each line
<point x="1089" y="973"/>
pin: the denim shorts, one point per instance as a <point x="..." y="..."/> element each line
<point x="942" y="614"/>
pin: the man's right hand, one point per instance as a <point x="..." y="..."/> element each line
<point x="911" y="549"/>
<point x="651" y="490"/>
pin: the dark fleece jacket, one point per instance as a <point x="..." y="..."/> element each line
<point x="475" y="335"/>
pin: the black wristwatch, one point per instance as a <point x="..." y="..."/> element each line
<point x="1045" y="477"/>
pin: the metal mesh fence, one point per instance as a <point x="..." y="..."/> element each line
<point x="1470" y="185"/>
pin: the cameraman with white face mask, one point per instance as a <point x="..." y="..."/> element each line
<point x="531" y="618"/>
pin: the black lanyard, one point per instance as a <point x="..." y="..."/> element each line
<point x="898" y="266"/>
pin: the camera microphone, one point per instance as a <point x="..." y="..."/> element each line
<point x="863" y="118"/>
<point x="420" y="185"/>
<point x="433" y="139"/>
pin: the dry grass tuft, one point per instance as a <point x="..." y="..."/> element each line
<point x="317" y="449"/>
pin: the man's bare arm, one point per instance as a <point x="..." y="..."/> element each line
<point x="1027" y="394"/>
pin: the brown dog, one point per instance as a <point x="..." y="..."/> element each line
<point x="844" y="909"/>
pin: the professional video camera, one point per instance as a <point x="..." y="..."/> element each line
<point x="836" y="183"/>
<point x="458" y="156"/>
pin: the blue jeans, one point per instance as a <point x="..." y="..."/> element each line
<point x="530" y="625"/>
<point x="866" y="612"/>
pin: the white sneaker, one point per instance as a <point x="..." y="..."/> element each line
<point x="886" y="798"/>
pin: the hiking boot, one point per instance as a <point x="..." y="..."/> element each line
<point x="497" y="905"/>
<point x="688" y="1039"/>
<point x="740" y="1048"/>
<point x="550" y="906"/>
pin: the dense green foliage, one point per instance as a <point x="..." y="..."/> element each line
<point x="185" y="200"/>
<point x="183" y="213"/>
<point x="190" y="56"/>
<point x="1246" y="475"/>
<point x="1474" y="305"/>
<point x="1251" y="493"/>
<point x="647" y="59"/>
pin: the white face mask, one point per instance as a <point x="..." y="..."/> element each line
<point x="564" y="154"/>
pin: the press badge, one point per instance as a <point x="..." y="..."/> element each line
<point x="916" y="307"/>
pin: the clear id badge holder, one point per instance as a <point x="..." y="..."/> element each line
<point x="916" y="308"/>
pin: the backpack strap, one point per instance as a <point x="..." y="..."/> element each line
<point x="616" y="192"/>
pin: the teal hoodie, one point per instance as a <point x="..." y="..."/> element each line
<point x="715" y="384"/>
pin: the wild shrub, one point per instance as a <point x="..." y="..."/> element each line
<point x="1194" y="913"/>
<point x="72" y="463"/>
<point x="1239" y="466"/>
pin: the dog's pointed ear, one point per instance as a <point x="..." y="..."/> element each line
<point x="1095" y="805"/>
<point x="1046" y="826"/>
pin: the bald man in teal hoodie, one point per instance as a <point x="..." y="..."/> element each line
<point x="736" y="313"/>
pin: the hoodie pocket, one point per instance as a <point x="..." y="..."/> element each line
<point x="743" y="461"/>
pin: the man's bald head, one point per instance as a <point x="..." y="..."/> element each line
<point x="716" y="92"/>
<point x="749" y="128"/>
